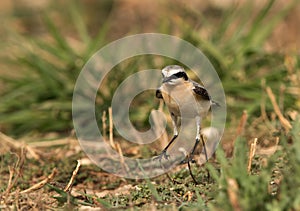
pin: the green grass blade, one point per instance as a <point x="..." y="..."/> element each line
<point x="54" y="51"/>
<point x="98" y="41"/>
<point x="79" y="22"/>
<point x="59" y="38"/>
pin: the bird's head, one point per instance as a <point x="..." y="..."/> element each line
<point x="174" y="75"/>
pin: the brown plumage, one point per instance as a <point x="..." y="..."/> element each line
<point x="185" y="99"/>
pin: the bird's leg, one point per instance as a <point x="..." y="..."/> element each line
<point x="164" y="152"/>
<point x="195" y="146"/>
<point x="189" y="158"/>
<point x="192" y="175"/>
<point x="175" y="134"/>
<point x="205" y="153"/>
<point x="191" y="155"/>
<point x="204" y="147"/>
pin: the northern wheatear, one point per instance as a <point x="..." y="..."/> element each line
<point x="185" y="99"/>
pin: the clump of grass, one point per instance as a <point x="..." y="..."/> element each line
<point x="271" y="184"/>
<point x="40" y="97"/>
<point x="241" y="190"/>
<point x="234" y="42"/>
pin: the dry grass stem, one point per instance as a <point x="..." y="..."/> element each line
<point x="104" y="126"/>
<point x="188" y="195"/>
<point x="232" y="191"/>
<point x="10" y="141"/>
<point x="251" y="154"/>
<point x="239" y="131"/>
<point x="69" y="185"/>
<point x="58" y="142"/>
<point x="33" y="152"/>
<point x="242" y="124"/>
<point x="269" y="150"/>
<point x="124" y="166"/>
<point x="15" y="172"/>
<point x="111" y="138"/>
<point x="41" y="183"/>
<point x="17" y="199"/>
<point x="10" y="181"/>
<point x="14" y="144"/>
<point x="285" y="123"/>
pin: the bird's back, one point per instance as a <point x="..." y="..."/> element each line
<point x="181" y="100"/>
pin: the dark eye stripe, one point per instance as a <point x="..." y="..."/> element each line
<point x="181" y="75"/>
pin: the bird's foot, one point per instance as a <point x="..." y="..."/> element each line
<point x="162" y="155"/>
<point x="188" y="158"/>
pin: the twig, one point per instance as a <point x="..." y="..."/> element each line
<point x="251" y="154"/>
<point x="285" y="123"/>
<point x="69" y="185"/>
<point x="124" y="166"/>
<point x="41" y="183"/>
<point x="111" y="138"/>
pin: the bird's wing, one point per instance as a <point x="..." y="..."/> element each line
<point x="200" y="91"/>
<point x="158" y="94"/>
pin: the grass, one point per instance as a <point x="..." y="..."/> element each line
<point x="36" y="99"/>
<point x="43" y="90"/>
<point x="48" y="69"/>
<point x="272" y="182"/>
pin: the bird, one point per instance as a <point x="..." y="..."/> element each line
<point x="184" y="98"/>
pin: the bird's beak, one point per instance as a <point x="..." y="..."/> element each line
<point x="165" y="80"/>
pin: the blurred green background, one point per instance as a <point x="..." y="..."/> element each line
<point x="44" y="45"/>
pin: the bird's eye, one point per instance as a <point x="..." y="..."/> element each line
<point x="181" y="75"/>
